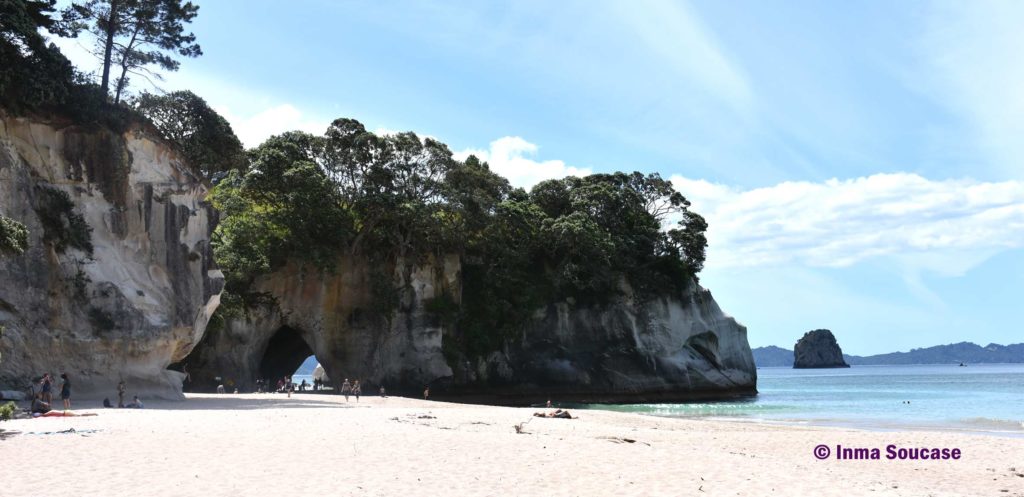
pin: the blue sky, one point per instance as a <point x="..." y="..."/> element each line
<point x="859" y="162"/>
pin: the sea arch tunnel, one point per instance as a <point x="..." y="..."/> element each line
<point x="283" y="354"/>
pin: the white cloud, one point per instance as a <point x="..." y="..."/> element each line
<point x="253" y="129"/>
<point x="509" y="157"/>
<point x="260" y="119"/>
<point x="943" y="226"/>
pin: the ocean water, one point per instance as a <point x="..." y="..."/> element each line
<point x="978" y="397"/>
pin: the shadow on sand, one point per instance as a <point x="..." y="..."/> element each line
<point x="227" y="401"/>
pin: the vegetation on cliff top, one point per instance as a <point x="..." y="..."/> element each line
<point x="399" y="198"/>
<point x="131" y="34"/>
<point x="387" y="199"/>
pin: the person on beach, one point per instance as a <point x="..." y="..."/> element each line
<point x="302" y="386"/>
<point x="47" y="388"/>
<point x="289" y="385"/>
<point x="121" y="388"/>
<point x="39" y="406"/>
<point x="426" y="393"/>
<point x="557" y="413"/>
<point x="357" y="390"/>
<point x="65" y="391"/>
<point x="135" y="403"/>
<point x="383" y="392"/>
<point x="346" y="389"/>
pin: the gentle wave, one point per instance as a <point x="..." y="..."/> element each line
<point x="985" y="398"/>
<point x="990" y="424"/>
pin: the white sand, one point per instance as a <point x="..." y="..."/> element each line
<point x="313" y="445"/>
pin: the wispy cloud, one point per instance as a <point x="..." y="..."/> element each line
<point x="510" y="157"/>
<point x="676" y="36"/>
<point x="971" y="54"/>
<point x="945" y="226"/>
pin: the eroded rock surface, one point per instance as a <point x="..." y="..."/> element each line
<point x="141" y="300"/>
<point x="677" y="347"/>
<point x="673" y="348"/>
<point x="818" y="349"/>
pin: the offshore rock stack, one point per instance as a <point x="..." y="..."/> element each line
<point x="818" y="349"/>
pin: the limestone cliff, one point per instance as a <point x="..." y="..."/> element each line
<point x="674" y="348"/>
<point x="335" y="317"/>
<point x="118" y="281"/>
<point x="677" y="347"/>
<point x="818" y="349"/>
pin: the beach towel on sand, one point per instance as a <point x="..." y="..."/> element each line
<point x="62" y="414"/>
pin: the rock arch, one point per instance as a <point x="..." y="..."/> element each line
<point x="335" y="317"/>
<point x="677" y="347"/>
<point x="284" y="353"/>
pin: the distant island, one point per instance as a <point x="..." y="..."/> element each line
<point x="965" y="352"/>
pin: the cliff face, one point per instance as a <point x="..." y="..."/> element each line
<point x="141" y="300"/>
<point x="669" y="349"/>
<point x="818" y="349"/>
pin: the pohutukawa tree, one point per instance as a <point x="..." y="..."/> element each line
<point x="203" y="136"/>
<point x="135" y="35"/>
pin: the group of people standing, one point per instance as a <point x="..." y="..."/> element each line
<point x="42" y="395"/>
<point x="286" y="385"/>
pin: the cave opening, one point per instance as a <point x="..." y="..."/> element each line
<point x="286" y="351"/>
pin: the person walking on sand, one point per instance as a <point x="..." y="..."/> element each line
<point x="426" y="393"/>
<point x="121" y="388"/>
<point x="357" y="390"/>
<point x="65" y="391"/>
<point x="346" y="389"/>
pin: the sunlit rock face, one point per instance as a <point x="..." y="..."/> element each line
<point x="672" y="348"/>
<point x="676" y="347"/>
<point x="142" y="299"/>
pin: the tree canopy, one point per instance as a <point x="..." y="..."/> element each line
<point x="203" y="136"/>
<point x="399" y="197"/>
<point x="136" y="34"/>
<point x="35" y="74"/>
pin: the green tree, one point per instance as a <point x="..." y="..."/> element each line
<point x="200" y="133"/>
<point x="34" y="73"/>
<point x="400" y="197"/>
<point x="134" y="34"/>
<point x="394" y="186"/>
<point x="284" y="207"/>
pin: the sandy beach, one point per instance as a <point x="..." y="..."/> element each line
<point x="232" y="445"/>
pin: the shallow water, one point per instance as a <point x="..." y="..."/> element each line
<point x="978" y="397"/>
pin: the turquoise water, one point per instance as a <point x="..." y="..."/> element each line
<point x="979" y="397"/>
